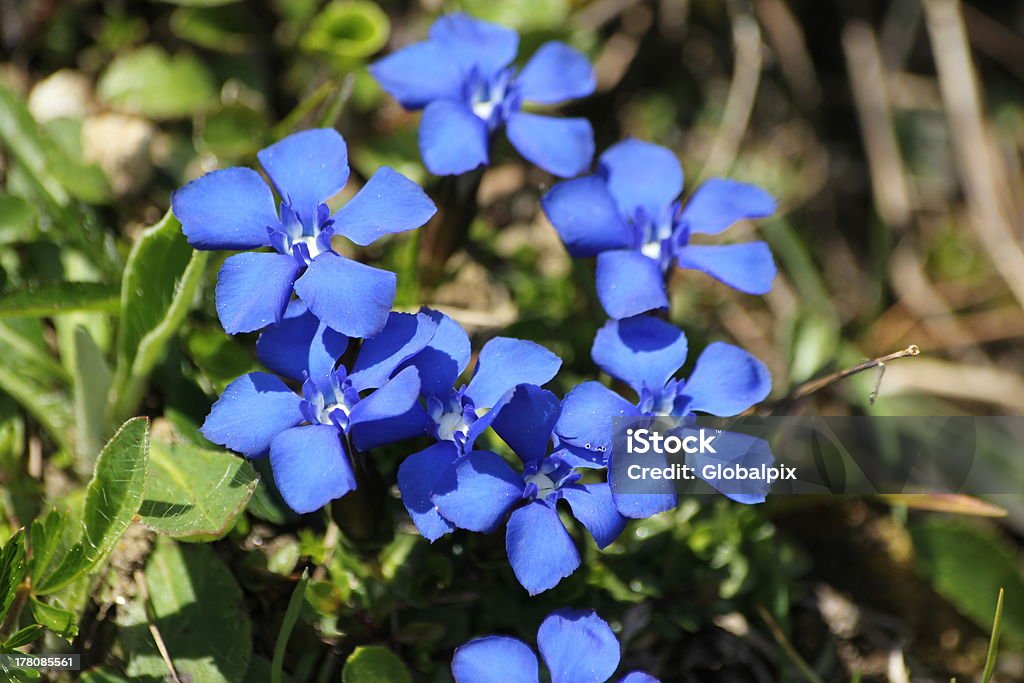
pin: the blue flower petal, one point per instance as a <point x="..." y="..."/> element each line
<point x="307" y="168"/>
<point x="505" y="363"/>
<point x="252" y="410"/>
<point x="494" y="659"/>
<point x="310" y="467"/>
<point x="643" y="505"/>
<point x="586" y="217"/>
<point x="387" y="415"/>
<point x="556" y="73"/>
<point x="719" y="202"/>
<point x="478" y="491"/>
<point x="487" y="47"/>
<point x="253" y="290"/>
<point x="417" y="477"/>
<point x="540" y="550"/>
<point x="593" y="506"/>
<point x="578" y="646"/>
<point x="350" y="297"/>
<point x="453" y="139"/>
<point x="642" y="175"/>
<point x="747" y="267"/>
<point x="228" y="209"/>
<point x="404" y="335"/>
<point x="638" y="677"/>
<point x="629" y="283"/>
<point x="561" y="146"/>
<point x="587" y="414"/>
<point x="442" y="360"/>
<point x="526" y="421"/>
<point x="419" y="74"/>
<point x="641" y="351"/>
<point x="300" y="345"/>
<point x="388" y="203"/>
<point x="726" y="381"/>
<point x="743" y="450"/>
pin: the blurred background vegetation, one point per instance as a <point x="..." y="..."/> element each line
<point x="892" y="132"/>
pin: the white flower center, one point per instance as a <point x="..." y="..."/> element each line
<point x="450" y="424"/>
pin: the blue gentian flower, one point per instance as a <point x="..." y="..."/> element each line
<point x="233" y="209"/>
<point x="309" y="437"/>
<point x="576" y="645"/>
<point x="480" y="489"/>
<point x="628" y="215"/>
<point x="462" y="80"/>
<point x="456" y="416"/>
<point x="646" y="353"/>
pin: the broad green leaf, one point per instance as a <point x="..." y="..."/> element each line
<point x="291" y="615"/>
<point x="39" y="384"/>
<point x="151" y="83"/>
<point x="198" y="609"/>
<point x="968" y="565"/>
<point x="522" y="15"/>
<point x="160" y="281"/>
<point x="221" y="28"/>
<point x="13" y="569"/>
<point x="23" y="637"/>
<point x="193" y="493"/>
<point x="91" y="387"/>
<point x="18" y="219"/>
<point x="56" y="619"/>
<point x="112" y="500"/>
<point x="57" y="174"/>
<point x="61" y="297"/>
<point x="45" y="535"/>
<point x="374" y="664"/>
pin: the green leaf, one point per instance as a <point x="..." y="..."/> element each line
<point x="151" y="83"/>
<point x="56" y="619"/>
<point x="18" y="220"/>
<point x="45" y="535"/>
<point x="993" y="643"/>
<point x="233" y="131"/>
<point x="969" y="565"/>
<point x="193" y="493"/>
<point x="197" y="607"/>
<point x="23" y="637"/>
<point x="349" y="29"/>
<point x="91" y="386"/>
<point x="13" y="569"/>
<point x="39" y="383"/>
<point x="291" y="615"/>
<point x="374" y="664"/>
<point x="160" y="281"/>
<point x="112" y="499"/>
<point x="57" y="175"/>
<point x="61" y="297"/>
<point x="222" y="28"/>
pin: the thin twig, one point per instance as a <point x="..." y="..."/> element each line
<point x="787" y="647"/>
<point x="815" y="385"/>
<point x="140" y="582"/>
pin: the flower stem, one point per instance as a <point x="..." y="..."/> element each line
<point x="445" y="233"/>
